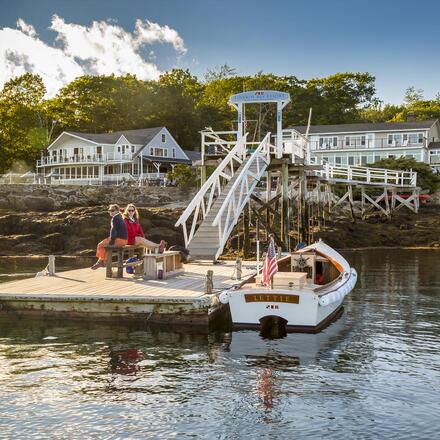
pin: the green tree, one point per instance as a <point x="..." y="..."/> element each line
<point x="380" y="113"/>
<point x="184" y="176"/>
<point x="413" y="95"/>
<point x="22" y="116"/>
<point x="103" y="103"/>
<point x="340" y="98"/>
<point x="419" y="110"/>
<point x="174" y="105"/>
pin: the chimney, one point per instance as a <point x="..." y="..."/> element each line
<point x="411" y="117"/>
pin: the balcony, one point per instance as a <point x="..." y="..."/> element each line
<point x="85" y="159"/>
<point x="366" y="144"/>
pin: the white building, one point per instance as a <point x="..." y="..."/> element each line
<point x="364" y="143"/>
<point x="89" y="158"/>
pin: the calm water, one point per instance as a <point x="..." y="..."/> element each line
<point x="373" y="374"/>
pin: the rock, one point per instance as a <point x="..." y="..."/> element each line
<point x="54" y="241"/>
<point x="4" y="203"/>
<point x="31" y="203"/>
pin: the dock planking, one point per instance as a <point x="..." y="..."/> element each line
<point x="85" y="293"/>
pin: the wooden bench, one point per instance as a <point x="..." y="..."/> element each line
<point x="121" y="254"/>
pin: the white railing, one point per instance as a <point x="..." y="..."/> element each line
<point x="368" y="175"/>
<point x="77" y="159"/>
<point x="342" y="144"/>
<point x="202" y="202"/>
<point x="241" y="191"/>
<point x="214" y="144"/>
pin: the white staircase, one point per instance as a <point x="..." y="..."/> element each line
<point x="220" y="207"/>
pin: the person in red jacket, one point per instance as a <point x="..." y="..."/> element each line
<point x="135" y="232"/>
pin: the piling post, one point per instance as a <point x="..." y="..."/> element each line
<point x="285" y="203"/>
<point x="51" y="265"/>
<point x="238" y="268"/>
<point x="209" y="282"/>
<point x="246" y="240"/>
<point x="268" y="197"/>
<point x="202" y="175"/>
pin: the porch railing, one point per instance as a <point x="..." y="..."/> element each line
<point x="81" y="159"/>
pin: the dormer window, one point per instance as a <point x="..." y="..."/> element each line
<point x="164" y="138"/>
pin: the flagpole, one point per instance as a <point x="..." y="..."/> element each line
<point x="258" y="247"/>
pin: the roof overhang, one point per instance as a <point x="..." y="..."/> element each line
<point x="66" y="133"/>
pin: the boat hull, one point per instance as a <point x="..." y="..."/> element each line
<point x="301" y="311"/>
<point x="298" y="310"/>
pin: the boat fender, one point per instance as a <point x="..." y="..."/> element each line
<point x="224" y="297"/>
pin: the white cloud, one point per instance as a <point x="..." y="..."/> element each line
<point x="102" y="48"/>
<point x="148" y="33"/>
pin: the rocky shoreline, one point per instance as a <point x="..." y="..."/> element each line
<point x="38" y="220"/>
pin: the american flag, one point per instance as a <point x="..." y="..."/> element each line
<point x="270" y="266"/>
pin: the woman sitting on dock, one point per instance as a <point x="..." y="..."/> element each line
<point x="118" y="236"/>
<point x="136" y="234"/>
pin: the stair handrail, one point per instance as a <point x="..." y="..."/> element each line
<point x="211" y="184"/>
<point x="261" y="153"/>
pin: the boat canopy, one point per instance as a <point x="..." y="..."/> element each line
<point x="326" y="251"/>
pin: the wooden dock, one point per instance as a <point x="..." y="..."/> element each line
<point x="84" y="293"/>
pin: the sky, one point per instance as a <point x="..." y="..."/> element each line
<point x="396" y="41"/>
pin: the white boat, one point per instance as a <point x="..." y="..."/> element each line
<point x="306" y="295"/>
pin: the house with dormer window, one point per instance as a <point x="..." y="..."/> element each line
<point x="365" y="143"/>
<point x="106" y="158"/>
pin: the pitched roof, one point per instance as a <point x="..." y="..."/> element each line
<point x="364" y="127"/>
<point x="194" y="156"/>
<point x="141" y="136"/>
<point x="434" y="144"/>
<point x="162" y="159"/>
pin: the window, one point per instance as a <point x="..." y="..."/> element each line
<point x="325" y="160"/>
<point x="364" y="160"/>
<point x="164" y="138"/>
<point x="162" y="152"/>
<point x="174" y="153"/>
<point x="356" y="141"/>
<point x="376" y="158"/>
<point x="434" y="156"/>
<point x="398" y="139"/>
<point x="126" y="168"/>
<point x="338" y="160"/>
<point x="416" y="138"/>
<point x="119" y="148"/>
<point x="395" y="139"/>
<point x="350" y="160"/>
<point x="328" y="142"/>
<point x="132" y="148"/>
